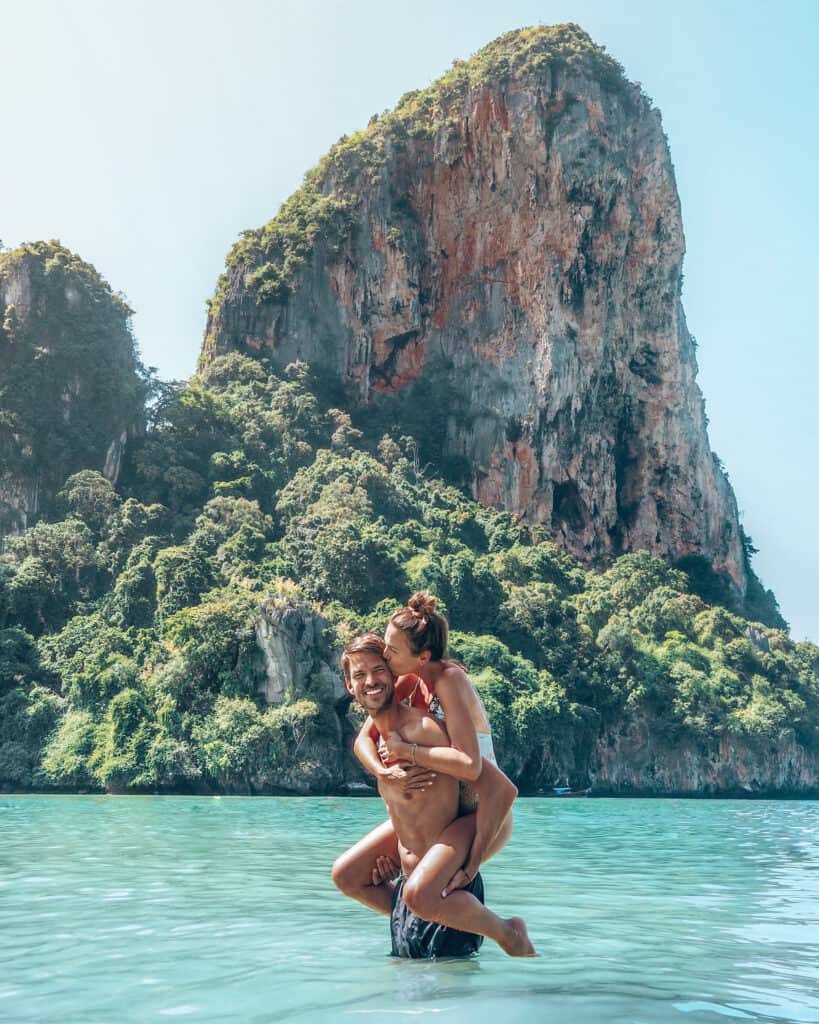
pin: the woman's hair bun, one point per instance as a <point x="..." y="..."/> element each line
<point x="425" y="627"/>
<point x="421" y="602"/>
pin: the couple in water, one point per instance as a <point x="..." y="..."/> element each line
<point x="427" y="741"/>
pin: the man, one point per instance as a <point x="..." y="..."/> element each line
<point x="451" y="927"/>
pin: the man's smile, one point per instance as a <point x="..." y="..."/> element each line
<point x="370" y="680"/>
<point x="374" y="695"/>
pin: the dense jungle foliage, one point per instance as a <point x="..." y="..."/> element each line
<point x="128" y="651"/>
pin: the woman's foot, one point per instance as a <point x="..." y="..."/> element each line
<point x="517" y="942"/>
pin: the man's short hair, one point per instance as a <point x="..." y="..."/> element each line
<point x="367" y="643"/>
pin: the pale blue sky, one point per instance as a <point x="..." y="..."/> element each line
<point x="147" y="135"/>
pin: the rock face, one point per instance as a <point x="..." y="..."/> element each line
<point x="629" y="759"/>
<point x="71" y="392"/>
<point x="297" y="660"/>
<point x="513" y="233"/>
<point x="300" y="665"/>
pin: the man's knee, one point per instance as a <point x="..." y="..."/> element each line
<point x="420" y="899"/>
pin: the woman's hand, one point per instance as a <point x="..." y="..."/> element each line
<point x="408" y="779"/>
<point x="394" y="748"/>
<point x="458" y="881"/>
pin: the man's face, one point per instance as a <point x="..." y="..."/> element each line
<point x="370" y="681"/>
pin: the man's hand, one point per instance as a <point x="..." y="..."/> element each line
<point x="385" y="870"/>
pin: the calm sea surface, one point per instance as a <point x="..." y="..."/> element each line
<point x="144" y="908"/>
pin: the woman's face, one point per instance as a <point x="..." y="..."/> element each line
<point x="398" y="652"/>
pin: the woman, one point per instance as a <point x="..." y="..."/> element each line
<point x="416" y="647"/>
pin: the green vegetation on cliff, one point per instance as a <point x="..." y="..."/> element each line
<point x="128" y="628"/>
<point x="70" y="379"/>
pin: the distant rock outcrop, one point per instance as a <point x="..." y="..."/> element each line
<point x="71" y="387"/>
<point x="631" y="759"/>
<point x="297" y="660"/>
<point x="300" y="665"/>
<point x="506" y="246"/>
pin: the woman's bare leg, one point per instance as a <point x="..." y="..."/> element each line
<point x="461" y="910"/>
<point x="355" y="871"/>
<point x="493" y="823"/>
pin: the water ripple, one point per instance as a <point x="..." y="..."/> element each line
<point x="645" y="912"/>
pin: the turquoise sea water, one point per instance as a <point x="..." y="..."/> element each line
<point x="146" y="908"/>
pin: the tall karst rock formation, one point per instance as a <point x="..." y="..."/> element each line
<point x="506" y="246"/>
<point x="71" y="385"/>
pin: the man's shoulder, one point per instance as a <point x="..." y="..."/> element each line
<point x="410" y="715"/>
<point x="424" y="728"/>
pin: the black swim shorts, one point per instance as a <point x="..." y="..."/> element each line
<point x="419" y="940"/>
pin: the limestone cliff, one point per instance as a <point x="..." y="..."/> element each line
<point x="297" y="660"/>
<point x="299" y="664"/>
<point x="509" y="242"/>
<point x="631" y="759"/>
<point x="629" y="755"/>
<point x="71" y="388"/>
